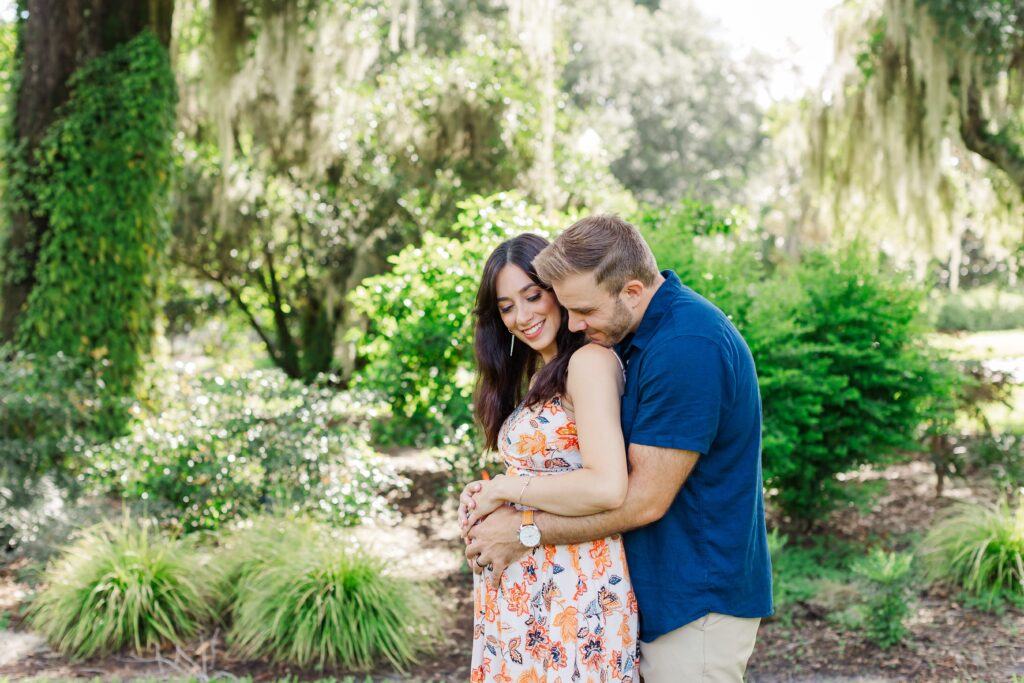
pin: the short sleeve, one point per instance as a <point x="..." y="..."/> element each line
<point x="680" y="386"/>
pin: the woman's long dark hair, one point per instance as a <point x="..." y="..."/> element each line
<point x="503" y="379"/>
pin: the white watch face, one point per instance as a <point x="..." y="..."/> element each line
<point x="529" y="535"/>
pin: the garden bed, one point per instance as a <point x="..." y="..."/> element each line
<point x="949" y="639"/>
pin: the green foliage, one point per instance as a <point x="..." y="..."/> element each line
<point x="45" y="416"/>
<point x="980" y="548"/>
<point x="301" y="595"/>
<point x="100" y="179"/>
<point x="419" y="341"/>
<point x="887" y="578"/>
<point x="220" y="448"/>
<point x="979" y="309"/>
<point x="842" y="367"/>
<point x="801" y="572"/>
<point x="849" y="388"/>
<point x="117" y="586"/>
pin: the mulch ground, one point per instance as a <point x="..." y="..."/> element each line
<point x="948" y="641"/>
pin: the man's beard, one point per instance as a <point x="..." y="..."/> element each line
<point x="618" y="326"/>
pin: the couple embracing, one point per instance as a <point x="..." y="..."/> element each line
<point x="627" y="535"/>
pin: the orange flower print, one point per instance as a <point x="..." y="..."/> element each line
<point x="631" y="603"/>
<point x="581" y="587"/>
<point x="600" y="555"/>
<point x="567" y="621"/>
<point x="549" y="557"/>
<point x="567" y="438"/>
<point x="556" y="657"/>
<point x="536" y="641"/>
<point x="532" y="444"/>
<point x="563" y="612"/>
<point x="529" y="566"/>
<point x="529" y="676"/>
<point x="626" y="633"/>
<point x="502" y="676"/>
<point x="593" y="652"/>
<point x="518" y="599"/>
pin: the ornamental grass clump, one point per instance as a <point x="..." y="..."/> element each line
<point x="120" y="585"/>
<point x="980" y="548"/>
<point x="316" y="600"/>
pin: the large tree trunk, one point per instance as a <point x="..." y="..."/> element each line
<point x="57" y="38"/>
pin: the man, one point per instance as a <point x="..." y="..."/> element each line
<point x="691" y="413"/>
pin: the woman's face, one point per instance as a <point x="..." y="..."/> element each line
<point x="528" y="310"/>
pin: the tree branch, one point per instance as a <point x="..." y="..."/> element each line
<point x="999" y="148"/>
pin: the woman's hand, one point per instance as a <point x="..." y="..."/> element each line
<point x="490" y="496"/>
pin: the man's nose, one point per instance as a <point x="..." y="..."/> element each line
<point x="576" y="323"/>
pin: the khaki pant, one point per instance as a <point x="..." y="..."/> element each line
<point x="712" y="649"/>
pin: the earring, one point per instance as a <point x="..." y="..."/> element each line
<point x="513" y="344"/>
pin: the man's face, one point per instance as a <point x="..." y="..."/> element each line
<point x="605" y="318"/>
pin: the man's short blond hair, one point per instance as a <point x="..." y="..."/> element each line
<point x="605" y="245"/>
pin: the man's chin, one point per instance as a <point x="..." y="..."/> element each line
<point x="600" y="341"/>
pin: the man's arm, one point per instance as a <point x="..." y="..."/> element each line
<point x="655" y="477"/>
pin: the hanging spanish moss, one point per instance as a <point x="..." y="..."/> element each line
<point x="904" y="133"/>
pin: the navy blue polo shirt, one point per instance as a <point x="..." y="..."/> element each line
<point x="691" y="385"/>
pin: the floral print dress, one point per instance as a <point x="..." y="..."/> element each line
<point x="564" y="612"/>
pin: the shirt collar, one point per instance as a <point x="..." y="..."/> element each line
<point x="656" y="309"/>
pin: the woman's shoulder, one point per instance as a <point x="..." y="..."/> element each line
<point x="591" y="358"/>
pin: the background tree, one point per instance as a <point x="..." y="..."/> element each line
<point x="924" y="112"/>
<point x="677" y="110"/>
<point x="56" y="39"/>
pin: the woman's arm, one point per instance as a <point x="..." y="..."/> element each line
<point x="594" y="386"/>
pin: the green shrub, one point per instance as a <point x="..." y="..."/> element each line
<point x="979" y="309"/>
<point x="418" y="345"/>
<point x="849" y="387"/>
<point x="304" y="596"/>
<point x="101" y="182"/>
<point x="800" y="573"/>
<point x="887" y="578"/>
<point x="118" y="586"/>
<point x="47" y="410"/>
<point x="221" y="448"/>
<point x="979" y="548"/>
<point x="842" y="366"/>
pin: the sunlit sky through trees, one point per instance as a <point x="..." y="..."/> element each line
<point x="795" y="34"/>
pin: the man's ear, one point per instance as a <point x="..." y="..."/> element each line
<point x="633" y="291"/>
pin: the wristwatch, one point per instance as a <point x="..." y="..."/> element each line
<point x="529" y="533"/>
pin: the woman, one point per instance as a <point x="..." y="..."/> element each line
<point x="549" y="403"/>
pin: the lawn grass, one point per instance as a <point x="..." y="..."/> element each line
<point x="981" y="345"/>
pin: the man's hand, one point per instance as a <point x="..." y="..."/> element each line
<point x="495" y="541"/>
<point x="466" y="505"/>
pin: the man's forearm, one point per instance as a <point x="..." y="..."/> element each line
<point x="558" y="530"/>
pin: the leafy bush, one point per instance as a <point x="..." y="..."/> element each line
<point x="979" y="309"/>
<point x="47" y="419"/>
<point x="419" y="342"/>
<point x="887" y="580"/>
<point x="225" y="447"/>
<point x="867" y="370"/>
<point x="117" y="586"/>
<point x="101" y="180"/>
<point x="980" y="548"/>
<point x="801" y="573"/>
<point x="843" y="370"/>
<point x="303" y="596"/>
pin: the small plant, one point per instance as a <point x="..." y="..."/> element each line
<point x="979" y="548"/>
<point x="117" y="586"/>
<point x="305" y="596"/>
<point x="887" y="577"/>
